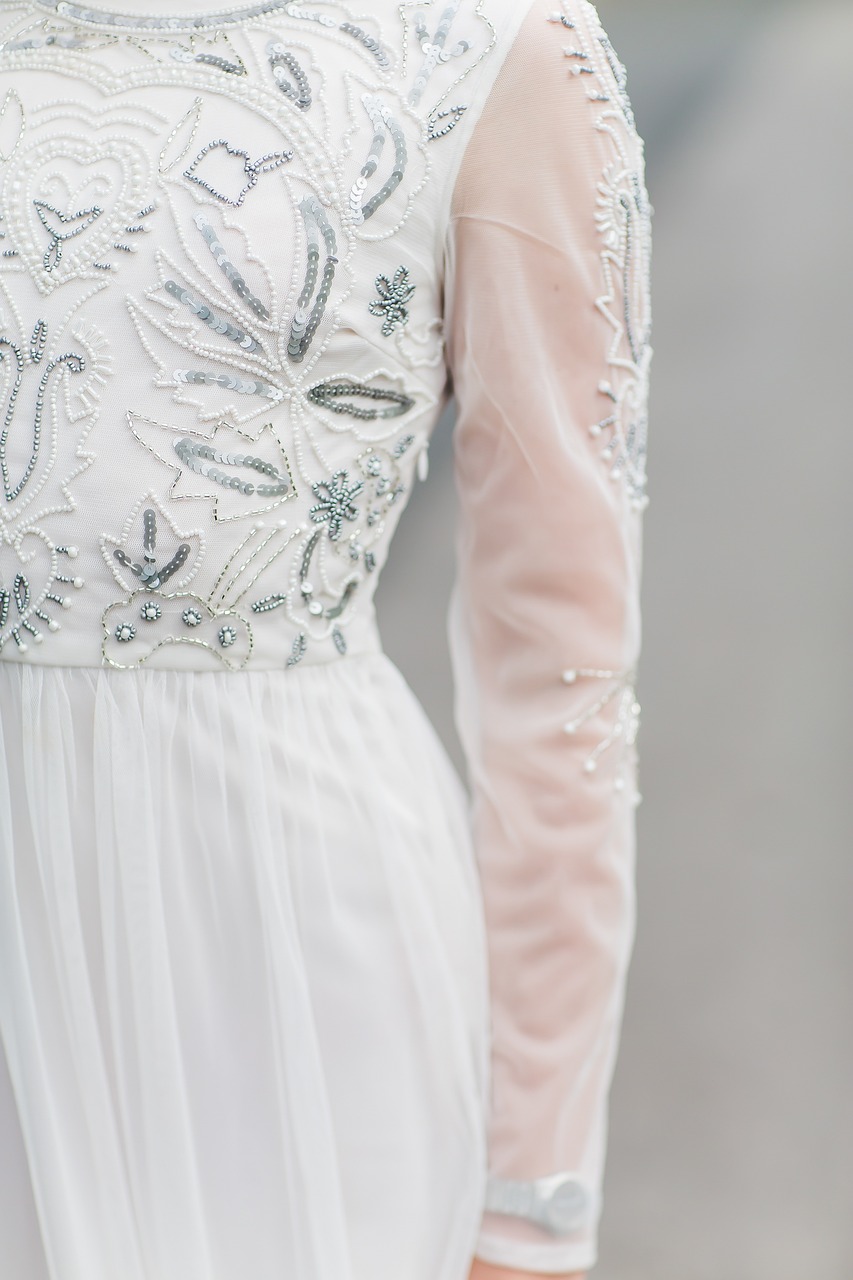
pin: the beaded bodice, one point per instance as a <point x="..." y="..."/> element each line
<point x="221" y="348"/>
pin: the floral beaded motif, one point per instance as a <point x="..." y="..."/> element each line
<point x="392" y="301"/>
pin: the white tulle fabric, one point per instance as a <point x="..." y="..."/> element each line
<point x="242" y="985"/>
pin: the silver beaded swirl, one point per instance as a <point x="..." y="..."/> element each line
<point x="71" y="361"/>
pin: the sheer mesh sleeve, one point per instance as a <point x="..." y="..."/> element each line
<point x="547" y="310"/>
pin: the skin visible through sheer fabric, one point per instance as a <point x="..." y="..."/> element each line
<point x="548" y="582"/>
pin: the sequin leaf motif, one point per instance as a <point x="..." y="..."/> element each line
<point x="240" y="177"/>
<point x="216" y="322"/>
<point x="229" y="269"/>
<point x="158" y="611"/>
<point x="310" y="309"/>
<point x="150" y="573"/>
<point x="222" y="350"/>
<point x="244" y="473"/>
<point x="362" y="37"/>
<point x="335" y="502"/>
<point x="152" y="552"/>
<point x="393" y="297"/>
<point x="33" y="586"/>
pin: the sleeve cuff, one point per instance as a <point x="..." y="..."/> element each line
<point x="561" y="1206"/>
<point x="548" y="1259"/>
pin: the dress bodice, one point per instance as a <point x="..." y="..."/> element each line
<point x="220" y="319"/>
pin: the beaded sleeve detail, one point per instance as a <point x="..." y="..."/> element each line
<point x="550" y="451"/>
<point x="623" y="217"/>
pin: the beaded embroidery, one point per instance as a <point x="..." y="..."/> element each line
<point x="284" y="64"/>
<point x="393" y="297"/>
<point x="266" y="413"/>
<point x="335" y="502"/>
<point x="328" y="394"/>
<point x="383" y="123"/>
<point x="248" y="175"/>
<point x="623" y="217"/>
<point x="619" y="687"/>
<point x="305" y="322"/>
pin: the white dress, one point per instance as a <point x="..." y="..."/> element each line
<point x="276" y="999"/>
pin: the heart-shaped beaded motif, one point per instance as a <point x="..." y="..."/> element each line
<point x="68" y="205"/>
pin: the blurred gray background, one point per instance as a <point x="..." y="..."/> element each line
<point x="731" y="1149"/>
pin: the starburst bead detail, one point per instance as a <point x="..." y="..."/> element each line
<point x="393" y="297"/>
<point x="335" y="502"/>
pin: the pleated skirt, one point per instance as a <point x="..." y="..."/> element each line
<point x="243" y="988"/>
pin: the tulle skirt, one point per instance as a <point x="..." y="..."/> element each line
<point x="243" y="989"/>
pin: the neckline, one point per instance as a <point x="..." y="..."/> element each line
<point x="132" y="20"/>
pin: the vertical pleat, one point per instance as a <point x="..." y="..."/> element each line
<point x="243" y="995"/>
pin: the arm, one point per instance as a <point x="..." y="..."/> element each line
<point x="547" y="311"/>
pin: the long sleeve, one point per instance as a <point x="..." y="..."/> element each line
<point x="547" y="328"/>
